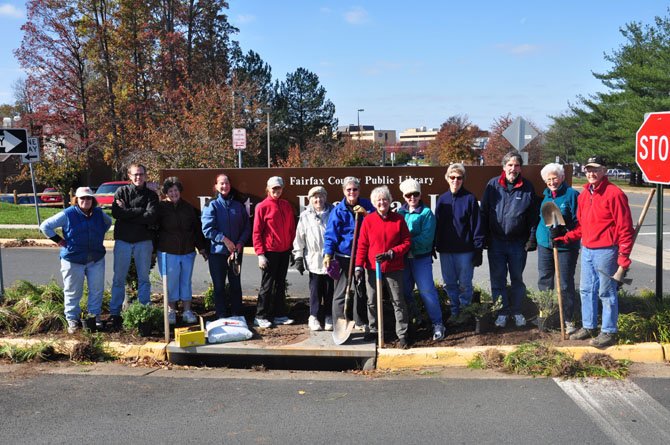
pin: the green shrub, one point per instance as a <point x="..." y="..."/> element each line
<point x="537" y="359"/>
<point x="545" y="300"/>
<point x="44" y="317"/>
<point x="10" y="320"/>
<point x="139" y="314"/>
<point x="208" y="297"/>
<point x="634" y="328"/>
<point x="92" y="349"/>
<point x="18" y="354"/>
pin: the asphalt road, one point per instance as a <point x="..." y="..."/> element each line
<point x="152" y="406"/>
<point x="41" y="265"/>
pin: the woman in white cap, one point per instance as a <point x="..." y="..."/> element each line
<point x="82" y="255"/>
<point x="308" y="254"/>
<point x="273" y="234"/>
<point x="418" y="262"/>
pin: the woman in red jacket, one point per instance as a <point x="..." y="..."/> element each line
<point x="274" y="230"/>
<point x="385" y="238"/>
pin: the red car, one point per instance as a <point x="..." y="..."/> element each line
<point x="105" y="193"/>
<point x="51" y="199"/>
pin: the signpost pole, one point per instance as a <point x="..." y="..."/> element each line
<point x="37" y="207"/>
<point x="659" y="242"/>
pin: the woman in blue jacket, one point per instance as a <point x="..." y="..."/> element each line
<point x="225" y="223"/>
<point x="82" y="255"/>
<point x="565" y="198"/>
<point x="419" y="262"/>
<point x="459" y="238"/>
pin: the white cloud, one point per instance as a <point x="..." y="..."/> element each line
<point x="243" y="19"/>
<point x="381" y="67"/>
<point x="8" y="10"/>
<point x="325" y="10"/>
<point x="518" y="50"/>
<point x="356" y="16"/>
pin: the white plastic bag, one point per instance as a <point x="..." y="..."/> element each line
<point x="225" y="330"/>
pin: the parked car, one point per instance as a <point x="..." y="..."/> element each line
<point x="105" y="193"/>
<point x="51" y="199"/>
<point x="618" y="173"/>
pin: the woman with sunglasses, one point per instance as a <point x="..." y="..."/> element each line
<point x="459" y="238"/>
<point x="338" y="241"/>
<point x="418" y="262"/>
<point x="82" y="255"/>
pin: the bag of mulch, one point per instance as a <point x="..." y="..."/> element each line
<point x="225" y="330"/>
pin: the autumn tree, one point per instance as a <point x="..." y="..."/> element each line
<point x="454" y="142"/>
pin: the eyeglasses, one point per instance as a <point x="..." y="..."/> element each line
<point x="136" y="174"/>
<point x="456" y="178"/>
<point x="413" y="195"/>
<point x="352" y="190"/>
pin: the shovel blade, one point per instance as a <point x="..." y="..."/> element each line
<point x="342" y="330"/>
<point x="552" y="214"/>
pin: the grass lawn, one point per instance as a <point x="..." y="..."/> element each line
<point x="17" y="214"/>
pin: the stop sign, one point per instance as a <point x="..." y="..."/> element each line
<point x="652" y="147"/>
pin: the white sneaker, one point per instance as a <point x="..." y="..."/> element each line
<point x="519" y="320"/>
<point x="314" y="324"/>
<point x="189" y="317"/>
<point x="262" y="323"/>
<point x="73" y="326"/>
<point x="172" y="316"/>
<point x="283" y="320"/>
<point x="570" y="328"/>
<point x="501" y="321"/>
<point x="362" y="328"/>
<point x="438" y="331"/>
<point x="328" y="323"/>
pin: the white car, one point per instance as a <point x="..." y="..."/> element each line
<point x="618" y="173"/>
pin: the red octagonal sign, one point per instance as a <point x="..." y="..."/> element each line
<point x="652" y="147"/>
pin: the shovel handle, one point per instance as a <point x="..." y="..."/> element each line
<point x="380" y="308"/>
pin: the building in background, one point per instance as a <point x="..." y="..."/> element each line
<point x="366" y="133"/>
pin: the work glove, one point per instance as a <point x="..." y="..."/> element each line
<point x="623" y="261"/>
<point x="262" y="261"/>
<point x="291" y="260"/>
<point x="434" y="253"/>
<point x="326" y="261"/>
<point x="559" y="240"/>
<point x="557" y="231"/>
<point x="300" y="265"/>
<point x="358" y="274"/>
<point x="477" y="258"/>
<point x="360" y="210"/>
<point x="204" y="253"/>
<point x="531" y="245"/>
<point x="386" y="256"/>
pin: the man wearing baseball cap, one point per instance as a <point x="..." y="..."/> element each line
<point x="606" y="232"/>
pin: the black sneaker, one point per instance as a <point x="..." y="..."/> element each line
<point x="583" y="334"/>
<point x="89" y="323"/>
<point x="403" y="343"/>
<point x="116" y="322"/>
<point x="370" y="336"/>
<point x="603" y="340"/>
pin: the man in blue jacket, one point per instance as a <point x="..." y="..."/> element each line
<point x="509" y="216"/>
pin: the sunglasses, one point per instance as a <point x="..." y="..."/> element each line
<point x="456" y="178"/>
<point x="351" y="190"/>
<point x="413" y="195"/>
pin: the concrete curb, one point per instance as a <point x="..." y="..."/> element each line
<point x="154" y="350"/>
<point x="397" y="359"/>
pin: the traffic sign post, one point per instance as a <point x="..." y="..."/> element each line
<point x="239" y="142"/>
<point x="520" y="134"/>
<point x="652" y="155"/>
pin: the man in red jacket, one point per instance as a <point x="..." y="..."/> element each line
<point x="606" y="230"/>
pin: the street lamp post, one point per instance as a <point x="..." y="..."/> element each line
<point x="358" y="114"/>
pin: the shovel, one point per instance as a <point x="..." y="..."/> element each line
<point x="550" y="212"/>
<point x="343" y="326"/>
<point x="166" y="323"/>
<point x="380" y="307"/>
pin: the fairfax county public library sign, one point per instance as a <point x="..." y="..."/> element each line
<point x="250" y="182"/>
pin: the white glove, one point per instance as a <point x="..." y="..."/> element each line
<point x="262" y="261"/>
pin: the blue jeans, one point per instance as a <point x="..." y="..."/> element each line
<point x="229" y="302"/>
<point x="598" y="265"/>
<point x="567" y="263"/>
<point x="419" y="271"/>
<point x="179" y="273"/>
<point x="507" y="256"/>
<point x="457" y="272"/>
<point x="123" y="252"/>
<point x="73" y="286"/>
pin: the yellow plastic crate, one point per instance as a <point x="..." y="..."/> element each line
<point x="190" y="335"/>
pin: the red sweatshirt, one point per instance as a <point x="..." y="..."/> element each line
<point x="274" y="226"/>
<point x="378" y="235"/>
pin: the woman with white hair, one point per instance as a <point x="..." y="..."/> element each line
<point x="385" y="239"/>
<point x="308" y="254"/>
<point x="565" y="198"/>
<point x="459" y="239"/>
<point x="273" y="234"/>
<point x="338" y="244"/>
<point x="419" y="262"/>
<point x="82" y="255"/>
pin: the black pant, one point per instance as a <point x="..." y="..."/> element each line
<point x="359" y="311"/>
<point x="320" y="295"/>
<point x="272" y="294"/>
<point x="226" y="301"/>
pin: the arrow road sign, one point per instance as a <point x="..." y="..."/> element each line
<point x="33" y="154"/>
<point x="13" y="141"/>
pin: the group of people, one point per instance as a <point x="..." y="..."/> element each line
<point x="342" y="245"/>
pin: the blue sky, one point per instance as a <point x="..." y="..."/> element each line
<point x="410" y="64"/>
